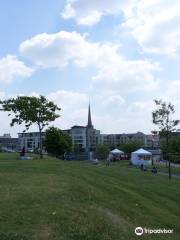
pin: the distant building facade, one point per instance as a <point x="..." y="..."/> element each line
<point x="78" y="135"/>
<point x="86" y="138"/>
<point x="118" y="139"/>
<point x="30" y="140"/>
<point x="152" y="141"/>
<point x="7" y="142"/>
<point x="148" y="141"/>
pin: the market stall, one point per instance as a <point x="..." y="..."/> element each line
<point x="117" y="154"/>
<point x="140" y="157"/>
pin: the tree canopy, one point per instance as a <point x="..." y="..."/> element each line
<point x="102" y="151"/>
<point x="162" y="116"/>
<point x="57" y="142"/>
<point x="31" y="110"/>
<point x="130" y="146"/>
<point x="174" y="144"/>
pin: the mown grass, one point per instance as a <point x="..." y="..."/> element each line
<point x="53" y="199"/>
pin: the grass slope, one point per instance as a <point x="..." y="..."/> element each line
<point x="52" y="199"/>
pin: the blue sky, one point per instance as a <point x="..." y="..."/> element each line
<point x="120" y="55"/>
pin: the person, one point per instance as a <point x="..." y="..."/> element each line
<point x="144" y="168"/>
<point x="109" y="159"/>
<point x="154" y="169"/>
<point x="23" y="152"/>
<point x="65" y="155"/>
<point x="96" y="161"/>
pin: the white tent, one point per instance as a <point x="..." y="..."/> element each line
<point x="141" y="156"/>
<point x="117" y="151"/>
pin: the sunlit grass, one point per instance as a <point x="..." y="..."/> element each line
<point x="53" y="199"/>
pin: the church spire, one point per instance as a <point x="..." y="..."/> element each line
<point x="89" y="117"/>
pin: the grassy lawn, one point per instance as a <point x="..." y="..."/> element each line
<point x="53" y="199"/>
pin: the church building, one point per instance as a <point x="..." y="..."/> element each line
<point x="86" y="137"/>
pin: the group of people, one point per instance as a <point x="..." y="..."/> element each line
<point x="143" y="168"/>
<point x="110" y="159"/>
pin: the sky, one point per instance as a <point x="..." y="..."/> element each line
<point x="119" y="55"/>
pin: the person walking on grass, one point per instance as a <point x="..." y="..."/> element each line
<point x="109" y="159"/>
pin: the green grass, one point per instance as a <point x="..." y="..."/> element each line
<point x="53" y="199"/>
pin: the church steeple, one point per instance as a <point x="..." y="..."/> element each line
<point x="89" y="117"/>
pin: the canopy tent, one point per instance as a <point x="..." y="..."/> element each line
<point x="141" y="156"/>
<point x="117" y="151"/>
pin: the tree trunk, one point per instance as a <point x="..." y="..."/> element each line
<point x="152" y="154"/>
<point x="167" y="146"/>
<point x="167" y="157"/>
<point x="40" y="143"/>
<point x="169" y="168"/>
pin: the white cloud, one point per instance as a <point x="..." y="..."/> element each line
<point x="2" y="95"/>
<point x="63" y="48"/>
<point x="123" y="122"/>
<point x="155" y="24"/>
<point x="59" y="49"/>
<point x="133" y="74"/>
<point x="11" y="67"/>
<point x="69" y="99"/>
<point x="140" y="108"/>
<point x="88" y="13"/>
<point x="109" y="98"/>
<point x="173" y="90"/>
<point x="73" y="107"/>
<point x="113" y="100"/>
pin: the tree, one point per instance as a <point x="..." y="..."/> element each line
<point x="174" y="148"/>
<point x="162" y="117"/>
<point x="102" y="150"/>
<point x="57" y="142"/>
<point x="131" y="146"/>
<point x="174" y="144"/>
<point x="31" y="110"/>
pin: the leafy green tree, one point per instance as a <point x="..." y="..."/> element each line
<point x="174" y="148"/>
<point x="112" y="146"/>
<point x="174" y="144"/>
<point x="31" y="110"/>
<point x="102" y="150"/>
<point x="130" y="146"/>
<point x="57" y="142"/>
<point x="162" y="117"/>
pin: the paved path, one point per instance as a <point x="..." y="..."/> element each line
<point x="175" y="164"/>
<point x="172" y="164"/>
<point x="167" y="174"/>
